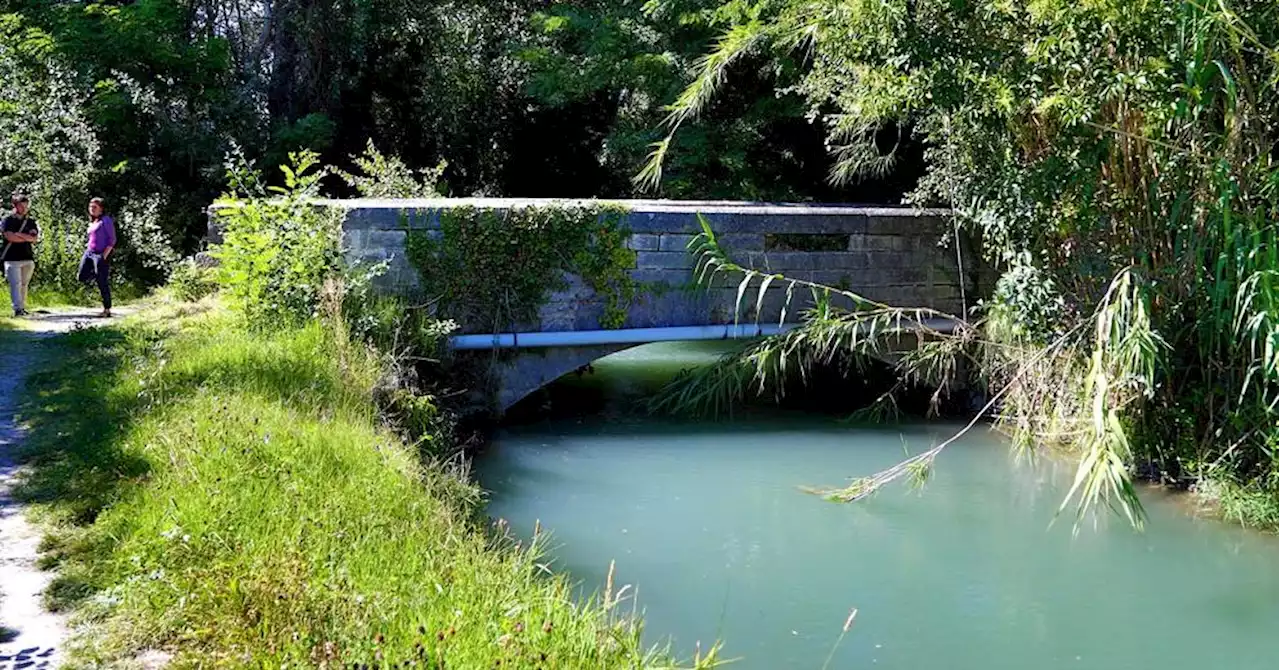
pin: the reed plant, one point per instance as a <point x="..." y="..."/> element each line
<point x="1118" y="163"/>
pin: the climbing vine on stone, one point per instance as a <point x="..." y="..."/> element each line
<point x="493" y="269"/>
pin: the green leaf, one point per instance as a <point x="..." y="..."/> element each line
<point x="737" y="303"/>
<point x="764" y="286"/>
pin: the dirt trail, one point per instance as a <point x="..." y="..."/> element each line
<point x="31" y="638"/>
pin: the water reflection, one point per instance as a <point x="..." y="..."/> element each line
<point x="970" y="572"/>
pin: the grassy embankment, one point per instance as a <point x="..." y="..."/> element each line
<point x="235" y="498"/>
<point x="1252" y="505"/>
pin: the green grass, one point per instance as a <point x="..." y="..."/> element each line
<point x="235" y="499"/>
<point x="1254" y="505"/>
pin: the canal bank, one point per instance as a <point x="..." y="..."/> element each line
<point x="706" y="521"/>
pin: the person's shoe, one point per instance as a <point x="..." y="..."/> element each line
<point x="104" y="314"/>
<point x="19" y="313"/>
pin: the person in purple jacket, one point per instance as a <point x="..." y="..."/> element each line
<point x="95" y="266"/>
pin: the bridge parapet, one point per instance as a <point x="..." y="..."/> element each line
<point x="891" y="255"/>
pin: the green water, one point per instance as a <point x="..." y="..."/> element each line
<point x="706" y="522"/>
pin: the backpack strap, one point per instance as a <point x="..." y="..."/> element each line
<point x="8" y="244"/>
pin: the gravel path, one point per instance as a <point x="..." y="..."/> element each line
<point x="31" y="638"/>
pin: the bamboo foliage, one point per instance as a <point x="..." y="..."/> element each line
<point x="1122" y="368"/>
<point x="1118" y="162"/>
<point x="1122" y="371"/>
<point x="828" y="332"/>
<point x="710" y="71"/>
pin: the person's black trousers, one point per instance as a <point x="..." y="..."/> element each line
<point x="94" y="267"/>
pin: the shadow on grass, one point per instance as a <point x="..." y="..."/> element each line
<point x="75" y="424"/>
<point x="78" y="420"/>
<point x="81" y="404"/>
<point x="78" y="415"/>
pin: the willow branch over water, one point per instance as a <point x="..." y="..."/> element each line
<point x="1121" y="370"/>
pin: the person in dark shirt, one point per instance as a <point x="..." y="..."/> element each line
<point x="20" y="233"/>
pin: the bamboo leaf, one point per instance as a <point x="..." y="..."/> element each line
<point x="764" y="286"/>
<point x="1231" y="85"/>
<point x="786" y="303"/>
<point x="737" y="303"/>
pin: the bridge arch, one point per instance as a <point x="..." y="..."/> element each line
<point x="540" y="358"/>
<point x="516" y="377"/>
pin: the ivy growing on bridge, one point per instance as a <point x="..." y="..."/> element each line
<point x="493" y="269"/>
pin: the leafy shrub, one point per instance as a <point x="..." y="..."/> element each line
<point x="58" y="254"/>
<point x="277" y="253"/>
<point x="392" y="325"/>
<point x="191" y="282"/>
<point x="385" y="176"/>
<point x="281" y="265"/>
<point x="1027" y="300"/>
<point x="146" y="251"/>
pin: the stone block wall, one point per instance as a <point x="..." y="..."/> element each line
<point x="891" y="255"/>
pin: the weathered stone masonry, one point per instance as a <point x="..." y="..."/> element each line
<point x="892" y="255"/>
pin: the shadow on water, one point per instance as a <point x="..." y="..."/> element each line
<point x="620" y="387"/>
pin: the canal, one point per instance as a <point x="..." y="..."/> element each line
<point x="706" y="522"/>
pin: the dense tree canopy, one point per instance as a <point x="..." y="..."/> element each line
<point x="1118" y="160"/>
<point x="519" y="97"/>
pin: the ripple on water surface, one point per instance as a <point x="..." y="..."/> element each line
<point x="706" y="519"/>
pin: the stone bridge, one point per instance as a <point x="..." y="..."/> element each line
<point x="897" y="256"/>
